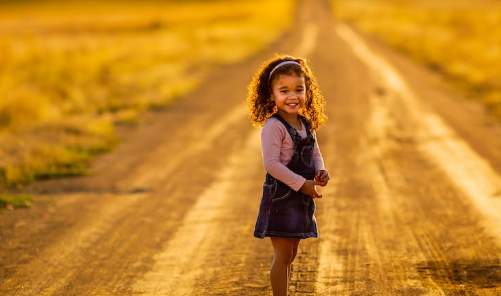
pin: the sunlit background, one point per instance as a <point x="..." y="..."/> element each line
<point x="72" y="71"/>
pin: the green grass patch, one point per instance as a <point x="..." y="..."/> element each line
<point x="71" y="71"/>
<point x="15" y="201"/>
<point x="460" y="38"/>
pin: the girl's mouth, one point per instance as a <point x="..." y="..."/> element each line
<point x="292" y="104"/>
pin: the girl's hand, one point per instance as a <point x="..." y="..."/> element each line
<point x="308" y="188"/>
<point x="322" y="176"/>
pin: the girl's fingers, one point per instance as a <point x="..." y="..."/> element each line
<point x="322" y="176"/>
<point x="315" y="193"/>
<point x="320" y="183"/>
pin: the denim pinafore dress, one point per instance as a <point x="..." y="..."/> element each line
<point x="284" y="212"/>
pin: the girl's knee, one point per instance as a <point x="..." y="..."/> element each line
<point x="285" y="257"/>
<point x="285" y="250"/>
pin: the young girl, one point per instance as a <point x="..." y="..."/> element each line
<point x="284" y="98"/>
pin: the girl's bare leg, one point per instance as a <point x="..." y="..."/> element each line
<point x="294" y="253"/>
<point x="285" y="252"/>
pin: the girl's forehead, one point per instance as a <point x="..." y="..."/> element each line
<point x="288" y="78"/>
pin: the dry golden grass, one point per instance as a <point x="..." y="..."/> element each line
<point x="70" y="71"/>
<point x="460" y="38"/>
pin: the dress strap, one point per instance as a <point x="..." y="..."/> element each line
<point x="292" y="131"/>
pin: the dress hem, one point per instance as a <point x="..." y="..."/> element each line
<point x="286" y="235"/>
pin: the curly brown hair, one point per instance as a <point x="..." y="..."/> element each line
<point x="262" y="107"/>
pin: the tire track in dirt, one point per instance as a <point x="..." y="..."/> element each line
<point x="179" y="266"/>
<point x="65" y="257"/>
<point x="396" y="227"/>
<point x="145" y="177"/>
<point x="57" y="264"/>
<point x="466" y="169"/>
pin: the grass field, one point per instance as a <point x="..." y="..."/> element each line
<point x="71" y="71"/>
<point x="460" y="38"/>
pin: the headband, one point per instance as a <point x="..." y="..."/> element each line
<point x="280" y="65"/>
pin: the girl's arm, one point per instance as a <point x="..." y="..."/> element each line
<point x="272" y="144"/>
<point x="321" y="174"/>
<point x="318" y="160"/>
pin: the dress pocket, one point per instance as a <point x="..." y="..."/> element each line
<point x="279" y="191"/>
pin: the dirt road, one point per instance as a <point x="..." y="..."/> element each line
<point x="413" y="207"/>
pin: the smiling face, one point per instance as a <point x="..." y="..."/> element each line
<point x="289" y="94"/>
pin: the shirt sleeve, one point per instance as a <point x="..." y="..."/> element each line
<point x="318" y="160"/>
<point x="272" y="137"/>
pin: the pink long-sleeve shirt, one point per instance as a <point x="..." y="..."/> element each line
<point x="278" y="148"/>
